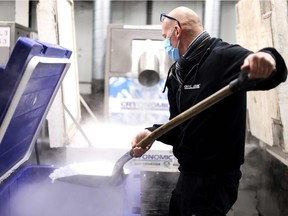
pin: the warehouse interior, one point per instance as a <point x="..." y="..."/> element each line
<point x="86" y="122"/>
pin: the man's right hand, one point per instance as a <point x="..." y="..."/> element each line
<point x="139" y="151"/>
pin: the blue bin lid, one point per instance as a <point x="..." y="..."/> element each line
<point x="28" y="85"/>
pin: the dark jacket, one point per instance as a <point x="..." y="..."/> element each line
<point x="214" y="139"/>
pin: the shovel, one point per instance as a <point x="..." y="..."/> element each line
<point x="241" y="83"/>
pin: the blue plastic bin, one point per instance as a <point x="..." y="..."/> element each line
<point x="29" y="192"/>
<point x="28" y="85"/>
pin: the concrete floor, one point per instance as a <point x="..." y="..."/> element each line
<point x="246" y="204"/>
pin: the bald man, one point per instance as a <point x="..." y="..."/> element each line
<point x="210" y="146"/>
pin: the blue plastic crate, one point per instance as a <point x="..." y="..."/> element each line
<point x="28" y="85"/>
<point x="30" y="192"/>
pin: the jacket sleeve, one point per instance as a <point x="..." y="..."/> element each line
<point x="278" y="76"/>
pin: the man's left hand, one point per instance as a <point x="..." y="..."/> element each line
<point x="260" y="65"/>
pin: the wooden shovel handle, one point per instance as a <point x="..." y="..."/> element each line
<point x="241" y="83"/>
<point x="189" y="113"/>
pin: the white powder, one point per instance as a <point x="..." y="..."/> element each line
<point x="99" y="168"/>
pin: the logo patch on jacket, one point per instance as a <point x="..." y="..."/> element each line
<point x="195" y="86"/>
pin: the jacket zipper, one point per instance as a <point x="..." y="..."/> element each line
<point x="181" y="84"/>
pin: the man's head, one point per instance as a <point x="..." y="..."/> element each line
<point x="181" y="26"/>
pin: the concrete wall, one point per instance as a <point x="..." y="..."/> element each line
<point x="56" y="25"/>
<point x="257" y="28"/>
<point x="262" y="23"/>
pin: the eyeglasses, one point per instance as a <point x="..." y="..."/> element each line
<point x="163" y="16"/>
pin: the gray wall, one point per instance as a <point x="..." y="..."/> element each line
<point x="137" y="12"/>
<point x="7" y="10"/>
<point x="84" y="40"/>
<point x="128" y="13"/>
<point x="228" y="21"/>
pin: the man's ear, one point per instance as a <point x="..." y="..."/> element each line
<point x="178" y="31"/>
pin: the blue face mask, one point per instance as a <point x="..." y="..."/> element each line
<point x="172" y="52"/>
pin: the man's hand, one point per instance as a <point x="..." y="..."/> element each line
<point x="139" y="151"/>
<point x="260" y="65"/>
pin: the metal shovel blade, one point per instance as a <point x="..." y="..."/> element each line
<point x="118" y="176"/>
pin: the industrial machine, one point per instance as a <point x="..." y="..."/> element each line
<point x="135" y="74"/>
